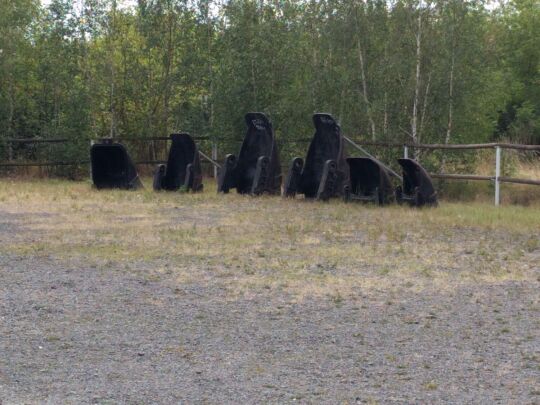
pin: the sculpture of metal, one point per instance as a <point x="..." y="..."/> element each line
<point x="257" y="169"/>
<point x="370" y="182"/>
<point x="183" y="168"/>
<point x="112" y="167"/>
<point x="417" y="188"/>
<point x="325" y="171"/>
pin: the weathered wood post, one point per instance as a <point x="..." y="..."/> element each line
<point x="497" y="175"/>
<point x="215" y="157"/>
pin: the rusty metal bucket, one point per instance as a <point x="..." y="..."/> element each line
<point x="183" y="168"/>
<point x="325" y="171"/>
<point x="112" y="167"/>
<point x="417" y="189"/>
<point x="370" y="182"/>
<point x="257" y="169"/>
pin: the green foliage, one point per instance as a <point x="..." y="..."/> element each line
<point x="436" y="71"/>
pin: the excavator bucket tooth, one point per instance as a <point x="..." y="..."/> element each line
<point x="226" y="179"/>
<point x="293" y="177"/>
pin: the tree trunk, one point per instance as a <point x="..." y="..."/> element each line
<point x="364" y="91"/>
<point x="253" y="82"/>
<point x="168" y="65"/>
<point x="364" y="81"/>
<point x="112" y="68"/>
<point x="10" y="120"/>
<point x="210" y="69"/>
<point x="424" y="107"/>
<point x="386" y="83"/>
<point x="450" y="101"/>
<point x="385" y="119"/>
<point x="450" y="123"/>
<point x="341" y="104"/>
<point x="111" y="101"/>
<point x="315" y="87"/>
<point x="414" y="121"/>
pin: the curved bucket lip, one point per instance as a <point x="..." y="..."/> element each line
<point x="414" y="175"/>
<point x="183" y="151"/>
<point x="259" y="140"/>
<point x="327" y="144"/>
<point x="126" y="176"/>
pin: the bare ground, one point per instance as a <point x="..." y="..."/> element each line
<point x="121" y="297"/>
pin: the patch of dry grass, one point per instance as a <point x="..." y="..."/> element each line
<point x="250" y="244"/>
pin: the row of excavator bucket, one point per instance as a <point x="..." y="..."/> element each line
<point x="325" y="173"/>
<point x="370" y="181"/>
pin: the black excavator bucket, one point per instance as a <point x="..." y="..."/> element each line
<point x="112" y="167"/>
<point x="257" y="169"/>
<point x="183" y="168"/>
<point x="325" y="171"/>
<point x="417" y="189"/>
<point x="370" y="182"/>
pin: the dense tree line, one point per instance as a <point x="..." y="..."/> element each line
<point x="424" y="71"/>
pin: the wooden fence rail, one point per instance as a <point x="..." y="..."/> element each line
<point x="300" y="140"/>
<point x="450" y="146"/>
<point x="496" y="178"/>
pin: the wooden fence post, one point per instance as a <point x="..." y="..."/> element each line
<point x="215" y="157"/>
<point x="497" y="175"/>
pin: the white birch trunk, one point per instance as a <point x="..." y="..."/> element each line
<point x="365" y="91"/>
<point x="385" y="119"/>
<point x="450" y="101"/>
<point x="414" y="120"/>
<point x="424" y="107"/>
<point x="10" y="119"/>
<point x="111" y="61"/>
<point x="450" y="123"/>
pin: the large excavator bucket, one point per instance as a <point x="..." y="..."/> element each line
<point x="370" y="182"/>
<point x="325" y="171"/>
<point x="183" y="168"/>
<point x="417" y="188"/>
<point x="257" y="169"/>
<point x="112" y="167"/>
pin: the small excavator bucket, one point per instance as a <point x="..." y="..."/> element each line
<point x="325" y="171"/>
<point x="112" y="167"/>
<point x="183" y="168"/>
<point x="257" y="169"/>
<point x="370" y="182"/>
<point x="417" y="188"/>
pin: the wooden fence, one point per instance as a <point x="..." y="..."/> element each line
<point x="212" y="157"/>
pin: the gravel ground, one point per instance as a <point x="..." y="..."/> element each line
<point x="74" y="332"/>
